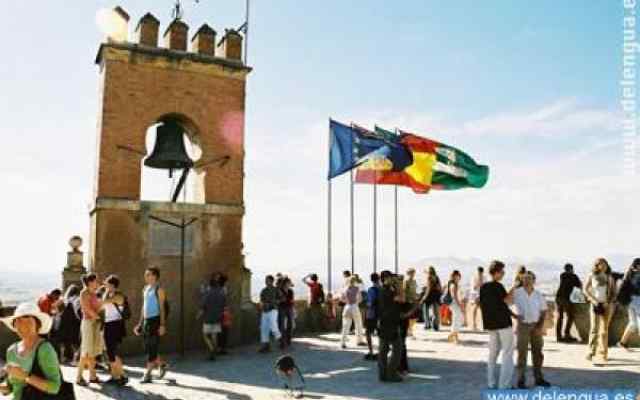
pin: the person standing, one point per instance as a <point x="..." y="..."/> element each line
<point x="48" y="303"/>
<point x="351" y="297"/>
<point x="433" y="290"/>
<point x="600" y="291"/>
<point x="269" y="298"/>
<point x="411" y="297"/>
<point x="211" y="309"/>
<point x="227" y="317"/>
<point x="474" y="296"/>
<point x="31" y="362"/>
<point x="389" y="313"/>
<point x="630" y="296"/>
<point x="91" y="342"/>
<point x="153" y="323"/>
<point x="114" y="328"/>
<point x="371" y="320"/>
<point x="568" y="282"/>
<point x="285" y="312"/>
<point x="316" y="299"/>
<point x="70" y="324"/>
<point x="531" y="308"/>
<point x="496" y="318"/>
<point x="457" y="307"/>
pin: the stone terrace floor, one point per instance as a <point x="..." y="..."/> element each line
<point x="440" y="371"/>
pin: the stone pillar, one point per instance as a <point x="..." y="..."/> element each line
<point x="73" y="271"/>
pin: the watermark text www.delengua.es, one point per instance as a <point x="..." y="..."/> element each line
<point x="560" y="394"/>
<point x="628" y="87"/>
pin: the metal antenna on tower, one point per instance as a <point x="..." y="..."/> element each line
<point x="177" y="10"/>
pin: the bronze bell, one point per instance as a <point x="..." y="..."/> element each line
<point x="169" y="152"/>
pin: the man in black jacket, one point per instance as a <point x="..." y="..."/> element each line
<point x="389" y="312"/>
<point x="568" y="281"/>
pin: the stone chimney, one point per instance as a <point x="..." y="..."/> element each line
<point x="147" y="30"/>
<point x="122" y="13"/>
<point x="231" y="45"/>
<point x="204" y="41"/>
<point x="176" y="35"/>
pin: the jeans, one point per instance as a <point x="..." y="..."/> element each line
<point x="269" y="325"/>
<point x="500" y="340"/>
<point x="434" y="320"/>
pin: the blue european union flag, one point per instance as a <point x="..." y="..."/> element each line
<point x="349" y="147"/>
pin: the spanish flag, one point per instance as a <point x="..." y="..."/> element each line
<point x="435" y="166"/>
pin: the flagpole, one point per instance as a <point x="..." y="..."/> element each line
<point x="353" y="258"/>
<point x="395" y="204"/>
<point x="375" y="220"/>
<point x="329" y="280"/>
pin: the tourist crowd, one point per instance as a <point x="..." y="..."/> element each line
<point x="86" y="325"/>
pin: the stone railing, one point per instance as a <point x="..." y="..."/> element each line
<point x="246" y="326"/>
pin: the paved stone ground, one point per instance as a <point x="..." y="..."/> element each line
<point x="440" y="371"/>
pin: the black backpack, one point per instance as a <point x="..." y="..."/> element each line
<point x="167" y="307"/>
<point x="125" y="312"/>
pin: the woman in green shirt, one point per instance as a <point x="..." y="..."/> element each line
<point x="29" y="322"/>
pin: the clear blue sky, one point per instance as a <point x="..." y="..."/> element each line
<point x="529" y="88"/>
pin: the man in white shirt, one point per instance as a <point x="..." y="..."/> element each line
<point x="530" y="307"/>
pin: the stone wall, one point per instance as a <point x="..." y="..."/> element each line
<point x="246" y="327"/>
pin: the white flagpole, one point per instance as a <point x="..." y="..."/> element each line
<point x="375" y="220"/>
<point x="353" y="257"/>
<point x="395" y="204"/>
<point x="329" y="280"/>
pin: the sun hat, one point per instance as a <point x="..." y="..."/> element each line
<point x="29" y="310"/>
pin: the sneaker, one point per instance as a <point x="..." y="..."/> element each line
<point x="521" y="385"/>
<point x="570" y="339"/>
<point x="624" y="346"/>
<point x="542" y="383"/>
<point x="81" y="382"/>
<point x="162" y="370"/>
<point x="146" y="378"/>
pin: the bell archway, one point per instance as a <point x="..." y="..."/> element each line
<point x="172" y="143"/>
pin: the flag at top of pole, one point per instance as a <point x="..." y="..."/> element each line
<point x="435" y="165"/>
<point x="351" y="146"/>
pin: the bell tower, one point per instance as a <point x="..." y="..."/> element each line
<point x="198" y="87"/>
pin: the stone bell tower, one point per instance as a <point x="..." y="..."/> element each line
<point x="202" y="87"/>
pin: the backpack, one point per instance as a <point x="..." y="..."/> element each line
<point x="125" y="312"/>
<point x="447" y="298"/>
<point x="167" y="308"/>
<point x="321" y="296"/>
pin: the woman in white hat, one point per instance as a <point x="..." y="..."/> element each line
<point x="29" y="323"/>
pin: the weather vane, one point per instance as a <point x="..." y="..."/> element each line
<point x="177" y="9"/>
